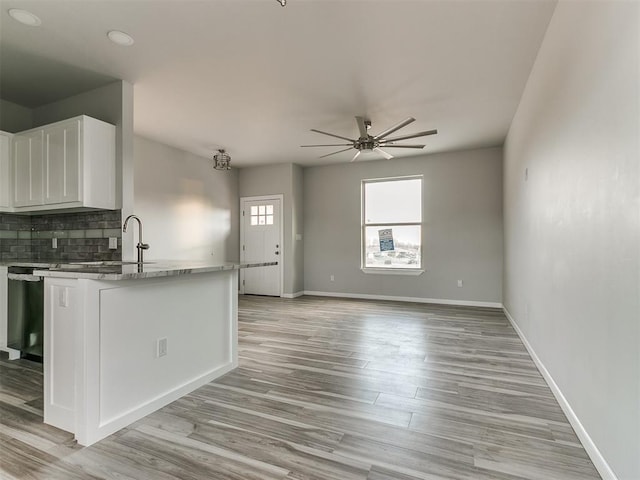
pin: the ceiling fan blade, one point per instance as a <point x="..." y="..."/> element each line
<point x="386" y="155"/>
<point x="389" y="131"/>
<point x="362" y="127"/>
<point x="413" y="135"/>
<point x="329" y="145"/>
<point x="332" y="135"/>
<point x="339" y="151"/>
<point x="391" y="145"/>
<point x="356" y="156"/>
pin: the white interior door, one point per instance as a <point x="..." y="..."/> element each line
<point x="262" y="242"/>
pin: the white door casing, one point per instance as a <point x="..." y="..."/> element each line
<point x="261" y="240"/>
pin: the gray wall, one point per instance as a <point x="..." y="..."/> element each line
<point x="189" y="210"/>
<point x="285" y="179"/>
<point x="297" y="215"/>
<point x="462" y="231"/>
<point x="14" y="118"/>
<point x="572" y="229"/>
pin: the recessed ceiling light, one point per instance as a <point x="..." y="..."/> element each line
<point x="24" y="17"/>
<point x="120" y="38"/>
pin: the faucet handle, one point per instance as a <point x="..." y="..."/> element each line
<point x="143" y="246"/>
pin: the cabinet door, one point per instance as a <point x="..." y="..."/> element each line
<point x="62" y="163"/>
<point x="27" y="169"/>
<point x="5" y="160"/>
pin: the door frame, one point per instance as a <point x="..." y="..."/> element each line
<point x="259" y="198"/>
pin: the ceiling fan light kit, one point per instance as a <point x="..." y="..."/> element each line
<point x="371" y="143"/>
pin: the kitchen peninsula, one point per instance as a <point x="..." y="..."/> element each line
<point x="123" y="339"/>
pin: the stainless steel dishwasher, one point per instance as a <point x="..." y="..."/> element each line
<point x="25" y="311"/>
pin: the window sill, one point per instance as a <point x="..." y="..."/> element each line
<point x="392" y="271"/>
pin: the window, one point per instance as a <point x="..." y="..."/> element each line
<point x="262" y="215"/>
<point x="392" y="224"/>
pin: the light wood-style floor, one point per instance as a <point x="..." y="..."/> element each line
<point x="327" y="389"/>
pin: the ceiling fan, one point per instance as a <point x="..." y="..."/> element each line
<point x="370" y="143"/>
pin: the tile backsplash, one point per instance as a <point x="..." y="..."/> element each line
<point x="80" y="236"/>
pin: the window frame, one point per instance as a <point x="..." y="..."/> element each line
<point x="418" y="270"/>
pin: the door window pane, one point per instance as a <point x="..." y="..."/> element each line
<point x="262" y="215"/>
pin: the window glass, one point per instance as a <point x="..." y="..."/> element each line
<point x="392" y="224"/>
<point x="406" y="251"/>
<point x="397" y="201"/>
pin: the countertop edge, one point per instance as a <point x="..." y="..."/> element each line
<point x="153" y="271"/>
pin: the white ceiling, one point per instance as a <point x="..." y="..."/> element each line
<point x="254" y="77"/>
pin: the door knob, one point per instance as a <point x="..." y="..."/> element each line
<point x="277" y="253"/>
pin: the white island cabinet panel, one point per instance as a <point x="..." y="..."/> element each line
<point x="194" y="329"/>
<point x="64" y="305"/>
<point x="120" y="373"/>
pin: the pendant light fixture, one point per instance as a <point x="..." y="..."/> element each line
<point x="222" y="160"/>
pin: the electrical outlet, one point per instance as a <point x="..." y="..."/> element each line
<point x="459" y="283"/>
<point x="113" y="243"/>
<point x="54" y="242"/>
<point x="332" y="278"/>
<point x="161" y="347"/>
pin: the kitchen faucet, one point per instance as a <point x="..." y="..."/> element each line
<point x="141" y="246"/>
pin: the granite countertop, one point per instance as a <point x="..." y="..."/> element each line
<point x="35" y="263"/>
<point x="133" y="270"/>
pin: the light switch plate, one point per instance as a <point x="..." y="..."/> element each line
<point x="54" y="242"/>
<point x="161" y="347"/>
<point x="113" y="243"/>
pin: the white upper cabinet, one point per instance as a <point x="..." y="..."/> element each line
<point x="5" y="171"/>
<point x="62" y="163"/>
<point x="68" y="164"/>
<point x="27" y="168"/>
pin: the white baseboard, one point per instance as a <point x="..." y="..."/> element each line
<point x="441" y="301"/>
<point x="113" y="425"/>
<point x="292" y="295"/>
<point x="596" y="457"/>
